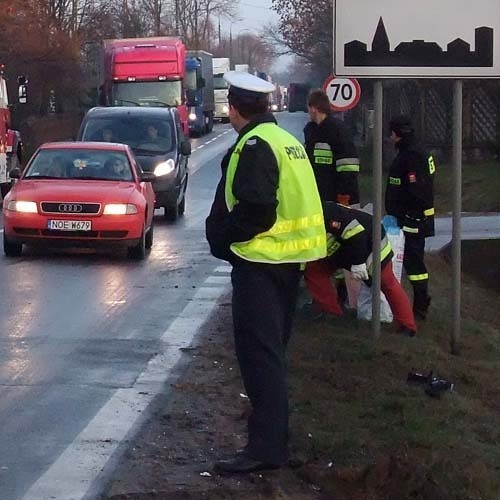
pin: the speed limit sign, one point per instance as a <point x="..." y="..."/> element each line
<point x="344" y="93"/>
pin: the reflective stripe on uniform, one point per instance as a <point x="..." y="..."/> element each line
<point x="332" y="244"/>
<point x="352" y="229"/>
<point x="288" y="226"/>
<point x="429" y="212"/>
<point x="347" y="165"/>
<point x="386" y="249"/>
<point x="395" y="181"/>
<point x="413" y="230"/>
<point x="323" y="154"/>
<point x="432" y="165"/>
<point x="418" y="277"/>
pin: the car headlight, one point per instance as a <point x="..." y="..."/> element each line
<point x="225" y="109"/>
<point x="274" y="107"/>
<point x="27" y="207"/>
<point x="192" y="116"/>
<point x="164" y="168"/>
<point x="120" y="209"/>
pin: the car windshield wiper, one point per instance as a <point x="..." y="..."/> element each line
<point x="128" y="102"/>
<point x="156" y="103"/>
<point x="43" y="177"/>
<point x="148" y="152"/>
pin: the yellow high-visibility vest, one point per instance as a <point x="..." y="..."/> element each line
<point x="298" y="235"/>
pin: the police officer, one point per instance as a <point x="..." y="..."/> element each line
<point x="410" y="198"/>
<point x="350" y="247"/>
<point x="332" y="153"/>
<point x="265" y="220"/>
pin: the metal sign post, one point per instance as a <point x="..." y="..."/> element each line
<point x="457" y="209"/>
<point x="377" y="205"/>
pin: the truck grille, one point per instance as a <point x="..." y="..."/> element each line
<point x="70" y="207"/>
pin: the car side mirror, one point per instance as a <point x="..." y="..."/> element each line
<point x="147" y="177"/>
<point x="185" y="148"/>
<point x="15" y="173"/>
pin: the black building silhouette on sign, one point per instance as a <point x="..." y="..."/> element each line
<point x="420" y="53"/>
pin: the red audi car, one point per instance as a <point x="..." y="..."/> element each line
<point x="80" y="194"/>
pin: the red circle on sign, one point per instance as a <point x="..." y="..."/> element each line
<point x="336" y="88"/>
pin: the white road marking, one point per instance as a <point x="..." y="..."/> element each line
<point x="218" y="280"/>
<point x="223" y="269"/>
<point x="70" y="477"/>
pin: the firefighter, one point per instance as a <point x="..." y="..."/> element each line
<point x="349" y="237"/>
<point x="266" y="219"/>
<point x="409" y="197"/>
<point x="334" y="159"/>
<point x="332" y="153"/>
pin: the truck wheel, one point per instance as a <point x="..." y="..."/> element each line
<point x="210" y="123"/>
<point x="10" y="248"/>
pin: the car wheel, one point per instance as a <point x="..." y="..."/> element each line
<point x="149" y="236"/>
<point x="10" y="248"/>
<point x="138" y="252"/>
<point x="172" y="212"/>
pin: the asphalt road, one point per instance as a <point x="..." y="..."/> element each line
<point x="86" y="339"/>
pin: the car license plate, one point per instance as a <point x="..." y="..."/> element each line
<point x="70" y="225"/>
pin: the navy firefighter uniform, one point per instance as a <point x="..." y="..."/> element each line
<point x="334" y="159"/>
<point x="409" y="197"/>
<point x="266" y="219"/>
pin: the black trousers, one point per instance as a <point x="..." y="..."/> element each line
<point x="264" y="297"/>
<point x="416" y="269"/>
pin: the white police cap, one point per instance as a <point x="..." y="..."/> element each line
<point x="246" y="84"/>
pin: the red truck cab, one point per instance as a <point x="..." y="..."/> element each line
<point x="145" y="72"/>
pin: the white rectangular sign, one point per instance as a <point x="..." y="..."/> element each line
<point x="417" y="38"/>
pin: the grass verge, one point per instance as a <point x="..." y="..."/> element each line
<point x="371" y="435"/>
<point x="480" y="187"/>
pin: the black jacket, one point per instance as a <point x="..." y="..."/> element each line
<point x="255" y="185"/>
<point x="409" y="194"/>
<point x="332" y="182"/>
<point x="350" y="237"/>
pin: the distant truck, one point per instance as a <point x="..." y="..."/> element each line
<point x="221" y="66"/>
<point x="245" y="68"/>
<point x="145" y="72"/>
<point x="200" y="91"/>
<point x="297" y="97"/>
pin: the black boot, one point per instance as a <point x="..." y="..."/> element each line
<point x="421" y="301"/>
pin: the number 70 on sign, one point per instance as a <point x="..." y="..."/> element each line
<point x="344" y="93"/>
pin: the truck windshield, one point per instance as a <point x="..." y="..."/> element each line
<point x="220" y="83"/>
<point x="147" y="93"/>
<point x="191" y="79"/>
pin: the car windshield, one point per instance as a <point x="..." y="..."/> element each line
<point x="84" y="164"/>
<point x="220" y="83"/>
<point x="146" y="136"/>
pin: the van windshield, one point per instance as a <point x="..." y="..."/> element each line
<point x="148" y="136"/>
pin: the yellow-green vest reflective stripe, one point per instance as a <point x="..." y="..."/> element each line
<point x="395" y="181"/>
<point x="347" y="165"/>
<point x="323" y="154"/>
<point x="332" y="244"/>
<point x="298" y="234"/>
<point x="432" y="165"/>
<point x="429" y="212"/>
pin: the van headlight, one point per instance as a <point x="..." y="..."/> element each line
<point x="164" y="168"/>
<point x="192" y="116"/>
<point x="27" y="207"/>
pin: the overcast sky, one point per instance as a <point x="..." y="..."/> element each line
<point x="252" y="16"/>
